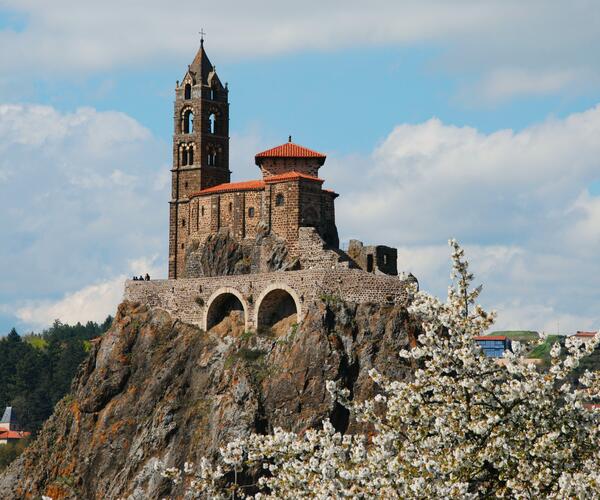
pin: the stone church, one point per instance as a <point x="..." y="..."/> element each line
<point x="263" y="247"/>
<point x="288" y="196"/>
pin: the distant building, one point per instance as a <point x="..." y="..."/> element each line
<point x="10" y="430"/>
<point x="585" y="336"/>
<point x="494" y="346"/>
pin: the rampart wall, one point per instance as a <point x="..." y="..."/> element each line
<point x="191" y="299"/>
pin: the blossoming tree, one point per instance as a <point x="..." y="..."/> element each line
<point x="464" y="426"/>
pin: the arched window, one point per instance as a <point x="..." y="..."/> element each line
<point x="230" y="207"/>
<point x="279" y="200"/>
<point x="202" y="210"/>
<point x="188" y="122"/>
<point x="191" y="155"/>
<point x="188" y="91"/>
<point x="184" y="155"/>
<point x="251" y="212"/>
<point x="182" y="222"/>
<point x="212" y="123"/>
<point x="213" y="94"/>
<point x="212" y="158"/>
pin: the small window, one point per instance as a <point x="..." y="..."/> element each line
<point x="251" y="212"/>
<point x="185" y="185"/>
<point x="213" y="94"/>
<point x="188" y="122"/>
<point x="184" y="156"/>
<point x="182" y="222"/>
<point x="385" y="259"/>
<point x="182" y="246"/>
<point x="188" y="91"/>
<point x="191" y="156"/>
<point x="369" y="263"/>
<point x="279" y="200"/>
<point x="202" y="210"/>
<point x="212" y="158"/>
<point x="212" y="123"/>
<point x="230" y="207"/>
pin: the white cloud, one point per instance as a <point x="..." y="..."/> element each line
<point x="485" y="37"/>
<point x="78" y="211"/>
<point x="91" y="303"/>
<point x="83" y="194"/>
<point x="517" y="201"/>
<point x="504" y="83"/>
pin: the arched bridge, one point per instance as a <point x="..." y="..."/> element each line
<point x="262" y="300"/>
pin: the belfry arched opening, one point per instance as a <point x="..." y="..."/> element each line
<point x="226" y="312"/>
<point x="277" y="312"/>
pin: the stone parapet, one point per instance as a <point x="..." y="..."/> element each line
<point x="190" y="299"/>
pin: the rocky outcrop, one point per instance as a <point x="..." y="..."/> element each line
<point x="155" y="388"/>
<point x="222" y="255"/>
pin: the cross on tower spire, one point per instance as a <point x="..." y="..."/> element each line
<point x="201" y="33"/>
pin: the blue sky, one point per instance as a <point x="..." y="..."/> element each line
<point x="468" y="120"/>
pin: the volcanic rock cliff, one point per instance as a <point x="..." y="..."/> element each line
<point x="155" y="388"/>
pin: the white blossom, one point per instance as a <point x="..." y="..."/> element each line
<point x="463" y="426"/>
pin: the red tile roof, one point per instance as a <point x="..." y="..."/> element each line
<point x="292" y="176"/>
<point x="256" y="185"/>
<point x="290" y="150"/>
<point x="491" y="337"/>
<point x="232" y="186"/>
<point x="13" y="434"/>
<point x="585" y="334"/>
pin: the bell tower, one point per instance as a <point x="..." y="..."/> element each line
<point x="200" y="146"/>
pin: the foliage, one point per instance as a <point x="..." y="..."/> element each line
<point x="542" y="350"/>
<point x="10" y="451"/>
<point x="464" y="426"/>
<point x="330" y="299"/>
<point x="37" y="370"/>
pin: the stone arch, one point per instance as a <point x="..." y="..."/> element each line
<point x="275" y="303"/>
<point x="221" y="303"/>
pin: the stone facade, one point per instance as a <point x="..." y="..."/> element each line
<point x="200" y="146"/>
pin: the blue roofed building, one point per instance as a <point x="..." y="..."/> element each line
<point x="494" y="346"/>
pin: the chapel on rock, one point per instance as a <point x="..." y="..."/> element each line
<point x="263" y="247"/>
<point x="288" y="196"/>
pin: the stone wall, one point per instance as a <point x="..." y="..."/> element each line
<point x="377" y="259"/>
<point x="282" y="209"/>
<point x="190" y="299"/>
<point x="277" y="166"/>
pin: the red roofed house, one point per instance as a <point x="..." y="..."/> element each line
<point x="204" y="202"/>
<point x="585" y="336"/>
<point x="494" y="346"/>
<point x="9" y="428"/>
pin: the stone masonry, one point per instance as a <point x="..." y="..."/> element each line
<point x="192" y="300"/>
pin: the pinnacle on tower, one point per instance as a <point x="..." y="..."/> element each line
<point x="201" y="66"/>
